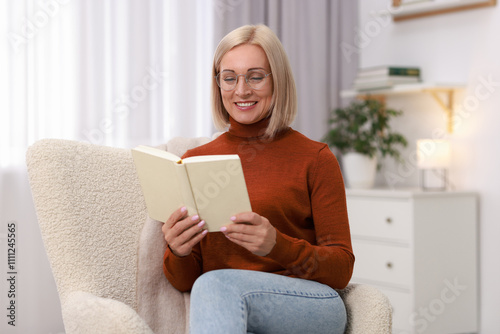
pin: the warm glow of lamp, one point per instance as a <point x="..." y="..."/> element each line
<point x="433" y="155"/>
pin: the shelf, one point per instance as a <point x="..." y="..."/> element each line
<point x="436" y="90"/>
<point x="424" y="8"/>
<point x="403" y="89"/>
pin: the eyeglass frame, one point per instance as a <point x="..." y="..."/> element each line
<point x="237" y="77"/>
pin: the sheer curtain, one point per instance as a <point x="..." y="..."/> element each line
<point x="108" y="72"/>
<point x="117" y="73"/>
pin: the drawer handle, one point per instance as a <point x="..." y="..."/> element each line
<point x="389" y="265"/>
<point x="388" y="220"/>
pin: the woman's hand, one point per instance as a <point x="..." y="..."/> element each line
<point x="183" y="232"/>
<point x="251" y="231"/>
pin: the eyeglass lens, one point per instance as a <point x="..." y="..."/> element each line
<point x="227" y="80"/>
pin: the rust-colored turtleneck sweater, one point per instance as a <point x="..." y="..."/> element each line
<point x="294" y="182"/>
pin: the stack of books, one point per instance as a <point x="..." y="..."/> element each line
<point x="385" y="77"/>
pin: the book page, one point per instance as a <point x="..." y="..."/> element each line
<point x="163" y="184"/>
<point x="203" y="158"/>
<point x="185" y="190"/>
<point x="219" y="190"/>
<point x="158" y="153"/>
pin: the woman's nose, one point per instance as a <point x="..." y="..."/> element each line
<point x="242" y="88"/>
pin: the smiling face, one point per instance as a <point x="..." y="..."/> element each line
<point x="244" y="104"/>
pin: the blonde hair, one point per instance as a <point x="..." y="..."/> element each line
<point x="284" y="100"/>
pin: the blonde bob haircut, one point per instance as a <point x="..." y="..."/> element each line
<point x="284" y="100"/>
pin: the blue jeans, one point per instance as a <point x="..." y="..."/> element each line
<point x="242" y="301"/>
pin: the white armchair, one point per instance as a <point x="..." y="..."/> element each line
<point x="92" y="214"/>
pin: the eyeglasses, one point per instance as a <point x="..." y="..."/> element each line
<point x="255" y="79"/>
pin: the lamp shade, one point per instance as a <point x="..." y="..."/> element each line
<point x="433" y="154"/>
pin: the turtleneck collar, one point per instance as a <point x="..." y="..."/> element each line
<point x="248" y="130"/>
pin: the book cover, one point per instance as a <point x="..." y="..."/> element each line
<point x="389" y="70"/>
<point x="212" y="186"/>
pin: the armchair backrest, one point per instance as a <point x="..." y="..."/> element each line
<point x="90" y="210"/>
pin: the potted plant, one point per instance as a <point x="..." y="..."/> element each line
<point x="361" y="132"/>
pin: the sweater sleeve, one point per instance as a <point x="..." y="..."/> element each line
<point x="331" y="260"/>
<point x="181" y="272"/>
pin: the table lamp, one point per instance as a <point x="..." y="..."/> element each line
<point x="433" y="157"/>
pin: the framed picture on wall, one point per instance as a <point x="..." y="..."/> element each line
<point x="410" y="9"/>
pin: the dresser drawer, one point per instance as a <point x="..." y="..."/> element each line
<point x="381" y="263"/>
<point x="385" y="219"/>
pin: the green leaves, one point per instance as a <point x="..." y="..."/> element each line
<point x="364" y="127"/>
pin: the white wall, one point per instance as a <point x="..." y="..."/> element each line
<point x="456" y="47"/>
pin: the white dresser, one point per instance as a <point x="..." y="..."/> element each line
<point x="420" y="249"/>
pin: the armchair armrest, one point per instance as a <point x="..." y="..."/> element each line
<point x="85" y="313"/>
<point x="368" y="310"/>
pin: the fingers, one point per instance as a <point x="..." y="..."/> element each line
<point x="177" y="215"/>
<point x="260" y="243"/>
<point x="187" y="226"/>
<point x="183" y="244"/>
<point x="244" y="223"/>
<point x="241" y="231"/>
<point x="182" y="232"/>
<point x="251" y="231"/>
<point x="247" y="217"/>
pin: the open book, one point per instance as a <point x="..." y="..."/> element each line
<point x="212" y="186"/>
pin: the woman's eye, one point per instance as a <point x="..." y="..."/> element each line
<point x="255" y="76"/>
<point x="256" y="79"/>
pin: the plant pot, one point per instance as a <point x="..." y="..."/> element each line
<point x="359" y="170"/>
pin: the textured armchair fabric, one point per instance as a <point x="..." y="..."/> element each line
<point x="91" y="213"/>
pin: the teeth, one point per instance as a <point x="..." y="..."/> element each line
<point x="245" y="104"/>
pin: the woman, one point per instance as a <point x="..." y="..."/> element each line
<point x="273" y="270"/>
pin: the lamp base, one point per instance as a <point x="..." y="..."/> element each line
<point x="434" y="179"/>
